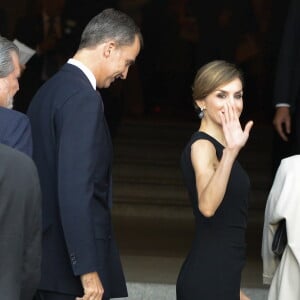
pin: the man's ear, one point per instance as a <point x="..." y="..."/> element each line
<point x="3" y="84"/>
<point x="109" y="47"/>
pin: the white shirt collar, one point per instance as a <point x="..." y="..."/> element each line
<point x="85" y="70"/>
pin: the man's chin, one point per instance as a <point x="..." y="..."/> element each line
<point x="107" y="84"/>
<point x="104" y="85"/>
<point x="113" y="80"/>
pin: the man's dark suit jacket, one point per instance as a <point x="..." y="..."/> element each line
<point x="15" y="130"/>
<point x="287" y="82"/>
<point x="73" y="153"/>
<point x="20" y="225"/>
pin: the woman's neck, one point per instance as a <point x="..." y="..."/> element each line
<point x="213" y="130"/>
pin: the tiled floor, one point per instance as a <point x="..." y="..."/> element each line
<point x="150" y="291"/>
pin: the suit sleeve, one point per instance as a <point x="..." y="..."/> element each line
<point x="20" y="230"/>
<point x="18" y="134"/>
<point x="33" y="232"/>
<point x="80" y="121"/>
<point x="287" y="58"/>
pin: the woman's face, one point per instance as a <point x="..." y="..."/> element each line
<point x="231" y="92"/>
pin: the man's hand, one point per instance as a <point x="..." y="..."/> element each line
<point x="282" y="122"/>
<point x="92" y="287"/>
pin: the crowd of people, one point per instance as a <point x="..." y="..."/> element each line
<point x="58" y="241"/>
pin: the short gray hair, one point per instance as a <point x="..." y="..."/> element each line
<point x="110" y="24"/>
<point x="6" y="62"/>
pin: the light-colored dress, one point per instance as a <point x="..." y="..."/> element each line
<point x="283" y="203"/>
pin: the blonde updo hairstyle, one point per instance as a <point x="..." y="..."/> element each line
<point x="211" y="76"/>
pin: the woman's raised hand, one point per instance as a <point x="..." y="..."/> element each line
<point x="235" y="136"/>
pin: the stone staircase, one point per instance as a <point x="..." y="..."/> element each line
<point x="152" y="215"/>
<point x="146" y="164"/>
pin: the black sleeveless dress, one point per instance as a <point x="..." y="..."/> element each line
<point x="212" y="269"/>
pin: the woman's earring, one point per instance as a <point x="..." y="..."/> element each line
<point x="201" y="113"/>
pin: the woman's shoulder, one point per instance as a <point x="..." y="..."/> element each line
<point x="200" y="135"/>
<point x="201" y="142"/>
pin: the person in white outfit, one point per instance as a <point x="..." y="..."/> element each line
<point x="283" y="275"/>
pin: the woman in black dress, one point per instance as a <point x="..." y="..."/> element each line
<point x="218" y="187"/>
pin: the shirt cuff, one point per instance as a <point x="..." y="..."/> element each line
<point x="282" y="105"/>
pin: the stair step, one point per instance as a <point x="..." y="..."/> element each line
<point x="172" y="211"/>
<point x="169" y="173"/>
<point x="136" y="201"/>
<point x="132" y="192"/>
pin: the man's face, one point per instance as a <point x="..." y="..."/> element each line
<point x="118" y="61"/>
<point x="4" y="92"/>
<point x="10" y="84"/>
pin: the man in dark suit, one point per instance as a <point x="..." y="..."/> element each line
<point x="73" y="153"/>
<point x="15" y="128"/>
<point x="20" y="196"/>
<point x="20" y="225"/>
<point x="287" y="88"/>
